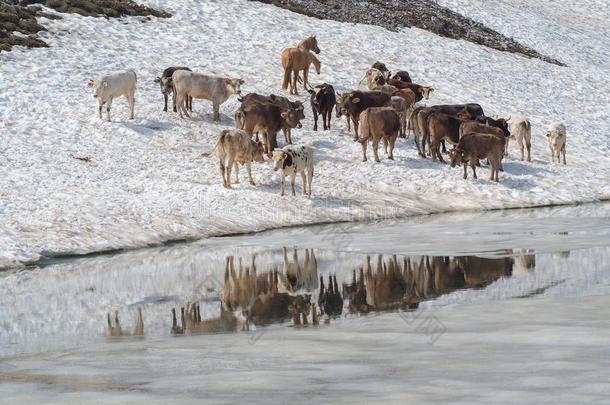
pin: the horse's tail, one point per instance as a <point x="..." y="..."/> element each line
<point x="287" y="71"/>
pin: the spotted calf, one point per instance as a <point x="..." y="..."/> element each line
<point x="293" y="159"/>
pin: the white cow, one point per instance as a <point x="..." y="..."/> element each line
<point x="520" y="129"/>
<point x="197" y="85"/>
<point x="115" y="84"/>
<point x="557" y="141"/>
<point x="293" y="159"/>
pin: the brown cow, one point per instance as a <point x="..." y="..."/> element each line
<point x="379" y="123"/>
<point x="268" y="119"/>
<point x="421" y="92"/>
<point x="422" y="114"/>
<point x="352" y="104"/>
<point x="473" y="147"/>
<point x="283" y="102"/>
<point x="442" y="126"/>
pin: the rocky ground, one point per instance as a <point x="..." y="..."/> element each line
<point x="397" y="14"/>
<point x="18" y="24"/>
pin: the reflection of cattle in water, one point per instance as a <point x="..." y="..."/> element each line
<point x="329" y="298"/>
<point x="402" y="286"/>
<point x="116" y="330"/>
<point x="258" y="298"/>
<point x="297" y="278"/>
<point x="280" y="296"/>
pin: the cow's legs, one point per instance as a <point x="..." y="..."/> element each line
<point x="528" y="144"/>
<point x="465" y="170"/>
<point x="249" y="168"/>
<point x="236" y="168"/>
<point x="363" y="144"/>
<point x="100" y="108"/>
<point x="108" y="105"/>
<point x="348" y="119"/>
<point x="190" y="106"/>
<point x="229" y="167"/>
<point x="132" y="103"/>
<point x="355" y="122"/>
<point x="438" y="151"/>
<point x="315" y="120"/>
<point x="309" y="179"/>
<point x="375" y="147"/>
<point x="165" y="97"/>
<point x="293" y="178"/>
<point x="222" y="173"/>
<point x="392" y="144"/>
<point x="216" y="107"/>
<point x="474" y="169"/>
<point x="282" y="181"/>
<point x="304" y="182"/>
<point x="563" y="151"/>
<point x="327" y="119"/>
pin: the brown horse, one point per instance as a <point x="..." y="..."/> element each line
<point x="296" y="59"/>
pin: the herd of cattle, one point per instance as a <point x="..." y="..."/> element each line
<point x="294" y="290"/>
<point x="387" y="111"/>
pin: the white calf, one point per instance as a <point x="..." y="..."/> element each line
<point x="115" y="84"/>
<point x="293" y="159"/>
<point x="521" y="130"/>
<point x="557" y="141"/>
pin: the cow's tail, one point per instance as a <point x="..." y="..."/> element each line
<point x="528" y="125"/>
<point x="216" y="146"/>
<point x="239" y="121"/>
<point x="135" y="76"/>
<point x="287" y="71"/>
<point x="364" y="130"/>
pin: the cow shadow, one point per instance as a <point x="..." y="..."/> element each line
<point x="149" y="127"/>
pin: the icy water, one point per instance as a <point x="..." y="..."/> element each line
<point x="499" y="306"/>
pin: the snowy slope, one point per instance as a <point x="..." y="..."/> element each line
<point x="147" y="182"/>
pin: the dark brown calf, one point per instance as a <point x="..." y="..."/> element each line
<point x="268" y="119"/>
<point x="473" y="147"/>
<point x="352" y="104"/>
<point x="442" y="126"/>
<point x="282" y="102"/>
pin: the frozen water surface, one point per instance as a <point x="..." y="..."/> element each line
<point x="498" y="306"/>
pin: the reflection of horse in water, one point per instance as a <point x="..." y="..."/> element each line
<point x="402" y="286"/>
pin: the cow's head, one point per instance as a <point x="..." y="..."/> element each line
<point x="457" y="156"/>
<point x="340" y="104"/>
<point x="258" y="151"/>
<point x="281" y="159"/>
<point x="425" y="92"/>
<point x="234" y="85"/>
<point x="463" y="115"/>
<point x="165" y="83"/>
<point x="299" y="108"/>
<point x="502" y="123"/>
<point x="292" y="118"/>
<point x="98" y="87"/>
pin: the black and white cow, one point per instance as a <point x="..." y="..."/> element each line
<point x="293" y="159"/>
